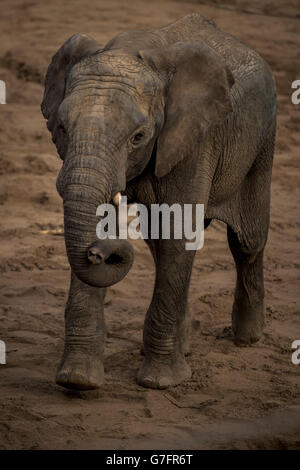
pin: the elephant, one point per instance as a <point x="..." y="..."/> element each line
<point x="186" y="114"/>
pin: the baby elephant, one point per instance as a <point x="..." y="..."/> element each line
<point x="184" y="114"/>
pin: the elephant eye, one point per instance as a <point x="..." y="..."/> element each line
<point x="137" y="138"/>
<point x="62" y="128"/>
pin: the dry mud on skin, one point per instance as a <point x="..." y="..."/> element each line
<point x="241" y="398"/>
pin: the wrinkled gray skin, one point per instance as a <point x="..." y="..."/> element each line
<point x="183" y="114"/>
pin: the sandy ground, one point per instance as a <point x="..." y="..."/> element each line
<point x="238" y="398"/>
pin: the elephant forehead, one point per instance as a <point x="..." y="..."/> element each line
<point x="116" y="68"/>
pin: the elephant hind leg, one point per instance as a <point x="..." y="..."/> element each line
<point x="247" y="240"/>
<point x="248" y="307"/>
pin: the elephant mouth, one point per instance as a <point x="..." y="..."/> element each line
<point x="109" y="260"/>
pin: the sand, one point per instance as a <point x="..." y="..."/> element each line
<point x="237" y="398"/>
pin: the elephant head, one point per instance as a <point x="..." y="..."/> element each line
<point x="110" y="110"/>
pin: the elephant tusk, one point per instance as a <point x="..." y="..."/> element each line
<point x="117" y="199"/>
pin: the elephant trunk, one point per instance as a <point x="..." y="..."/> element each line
<point x="85" y="182"/>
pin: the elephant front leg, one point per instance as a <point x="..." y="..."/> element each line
<point x="81" y="366"/>
<point x="165" y="328"/>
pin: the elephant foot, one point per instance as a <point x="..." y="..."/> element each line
<point x="163" y="372"/>
<point x="247" y="326"/>
<point x="80" y="371"/>
<point x="186" y="349"/>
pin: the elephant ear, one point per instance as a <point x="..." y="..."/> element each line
<point x="198" y="86"/>
<point x="72" y="51"/>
